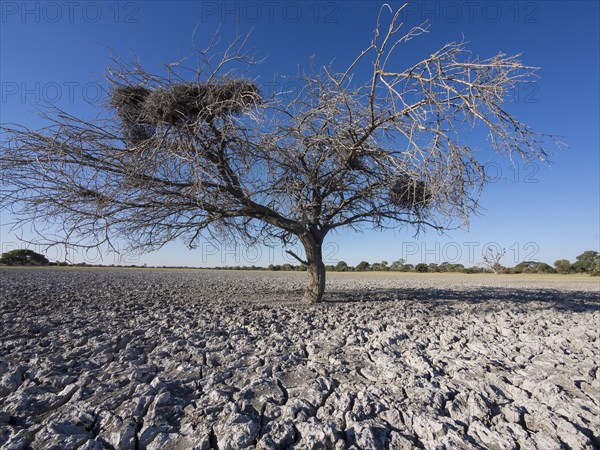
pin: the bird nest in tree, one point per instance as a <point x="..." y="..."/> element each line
<point x="352" y="158"/>
<point x="408" y="193"/>
<point x="129" y="102"/>
<point x="183" y="104"/>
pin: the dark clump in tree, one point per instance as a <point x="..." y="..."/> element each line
<point x="187" y="103"/>
<point x="409" y="193"/>
<point x="128" y="102"/>
<point x="23" y="257"/>
<point x="143" y="110"/>
<point x="199" y="152"/>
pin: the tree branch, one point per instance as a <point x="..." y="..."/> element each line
<point x="297" y="257"/>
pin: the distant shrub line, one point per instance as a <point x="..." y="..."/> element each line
<point x="588" y="262"/>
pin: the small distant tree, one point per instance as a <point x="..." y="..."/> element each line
<point x="341" y="266"/>
<point x="452" y="267"/>
<point x="23" y="257"/>
<point x="200" y="151"/>
<point x="545" y="268"/>
<point x="492" y="257"/>
<point x="533" y="267"/>
<point x="433" y="267"/>
<point x="363" y="266"/>
<point x="596" y="271"/>
<point x="422" y="268"/>
<point x="474" y="269"/>
<point x="526" y="267"/>
<point x="397" y="265"/>
<point x="586" y="262"/>
<point x="562" y="265"/>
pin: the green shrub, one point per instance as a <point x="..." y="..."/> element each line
<point x="562" y="265"/>
<point x="596" y="271"/>
<point x="533" y="267"/>
<point x="545" y="268"/>
<point x="23" y="257"/>
<point x="342" y="266"/>
<point x="421" y="268"/>
<point x="586" y="262"/>
<point x="363" y="266"/>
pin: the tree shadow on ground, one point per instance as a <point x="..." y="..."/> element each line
<point x="566" y="301"/>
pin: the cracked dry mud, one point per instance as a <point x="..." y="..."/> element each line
<point x="153" y="359"/>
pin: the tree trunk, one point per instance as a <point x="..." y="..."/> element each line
<point x="316" y="271"/>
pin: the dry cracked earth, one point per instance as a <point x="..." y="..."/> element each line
<point x="149" y="359"/>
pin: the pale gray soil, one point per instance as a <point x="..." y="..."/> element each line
<point x="229" y="360"/>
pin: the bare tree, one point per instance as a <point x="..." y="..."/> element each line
<point x="199" y="151"/>
<point x="492" y="257"/>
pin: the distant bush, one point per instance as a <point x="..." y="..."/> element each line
<point x="533" y="267"/>
<point x="545" y="268"/>
<point x="421" y="268"/>
<point x="376" y="267"/>
<point x="586" y="262"/>
<point x="525" y="267"/>
<point x="562" y="265"/>
<point x="342" y="266"/>
<point x="362" y="266"/>
<point x="455" y="268"/>
<point x="23" y="257"/>
<point x="473" y="269"/>
<point x="596" y="271"/>
<point x="444" y="267"/>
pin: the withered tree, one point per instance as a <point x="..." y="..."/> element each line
<point x="201" y="151"/>
<point x="492" y="257"/>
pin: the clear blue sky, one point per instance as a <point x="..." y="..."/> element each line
<point x="55" y="52"/>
